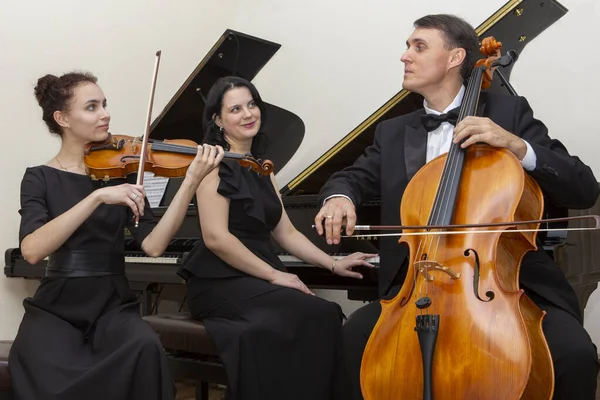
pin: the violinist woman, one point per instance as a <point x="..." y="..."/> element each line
<point x="82" y="336"/>
<point x="276" y="339"/>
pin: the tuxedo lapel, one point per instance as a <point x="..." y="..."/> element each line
<point x="481" y="106"/>
<point x="415" y="149"/>
<point x="415" y="141"/>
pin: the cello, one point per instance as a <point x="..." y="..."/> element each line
<point x="461" y="327"/>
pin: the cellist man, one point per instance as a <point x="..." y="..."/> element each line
<point x="440" y="56"/>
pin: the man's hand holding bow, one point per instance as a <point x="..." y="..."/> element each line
<point x="336" y="211"/>
<point x="480" y="129"/>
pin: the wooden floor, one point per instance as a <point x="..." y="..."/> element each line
<point x="188" y="392"/>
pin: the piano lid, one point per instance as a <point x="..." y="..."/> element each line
<point x="517" y="23"/>
<point x="238" y="54"/>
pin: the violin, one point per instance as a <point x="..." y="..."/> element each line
<point x="461" y="327"/>
<point x="120" y="156"/>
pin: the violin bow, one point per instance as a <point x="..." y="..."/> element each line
<point x="509" y="225"/>
<point x="140" y="174"/>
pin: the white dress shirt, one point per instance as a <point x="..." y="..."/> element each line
<point x="440" y="139"/>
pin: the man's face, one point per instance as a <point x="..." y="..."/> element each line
<point x="426" y="61"/>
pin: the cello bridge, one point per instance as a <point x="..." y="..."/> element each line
<point x="426" y="266"/>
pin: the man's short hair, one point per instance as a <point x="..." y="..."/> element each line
<point x="457" y="33"/>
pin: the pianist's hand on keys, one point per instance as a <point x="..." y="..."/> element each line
<point x="343" y="266"/>
<point x="340" y="266"/>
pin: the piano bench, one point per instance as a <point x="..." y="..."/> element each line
<point x="5" y="382"/>
<point x="191" y="353"/>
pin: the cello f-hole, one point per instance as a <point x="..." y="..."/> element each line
<point x="490" y="294"/>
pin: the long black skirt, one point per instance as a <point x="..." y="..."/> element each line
<point x="275" y="343"/>
<point x="83" y="338"/>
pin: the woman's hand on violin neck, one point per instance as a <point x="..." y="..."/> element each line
<point x="291" y="281"/>
<point x="343" y="267"/>
<point x="481" y="129"/>
<point x="125" y="194"/>
<point x="336" y="211"/>
<point x="207" y="158"/>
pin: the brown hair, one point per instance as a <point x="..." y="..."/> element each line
<point x="53" y="94"/>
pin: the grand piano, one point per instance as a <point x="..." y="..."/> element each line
<point x="515" y="24"/>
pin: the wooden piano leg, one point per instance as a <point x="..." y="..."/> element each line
<point x="202" y="391"/>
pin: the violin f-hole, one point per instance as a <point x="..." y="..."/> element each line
<point x="125" y="158"/>
<point x="490" y="294"/>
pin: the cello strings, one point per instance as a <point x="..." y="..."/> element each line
<point x="455" y="166"/>
<point x="450" y="172"/>
<point x="452" y="167"/>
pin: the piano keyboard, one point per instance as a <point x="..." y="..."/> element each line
<point x="290" y="260"/>
<point x="175" y="259"/>
<point x="140" y="259"/>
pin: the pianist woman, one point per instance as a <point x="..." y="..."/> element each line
<point x="82" y="336"/>
<point x="276" y="339"/>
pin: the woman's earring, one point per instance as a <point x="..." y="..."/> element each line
<point x="221" y="129"/>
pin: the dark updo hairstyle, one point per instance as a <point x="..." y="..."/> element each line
<point x="53" y="94"/>
<point x="214" y="103"/>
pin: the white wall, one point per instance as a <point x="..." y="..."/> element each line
<point x="115" y="40"/>
<point x="339" y="62"/>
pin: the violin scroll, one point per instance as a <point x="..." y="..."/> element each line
<point x="261" y="167"/>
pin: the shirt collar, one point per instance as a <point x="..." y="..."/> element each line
<point x="455" y="103"/>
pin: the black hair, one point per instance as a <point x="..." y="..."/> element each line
<point x="214" y="102"/>
<point x="457" y="33"/>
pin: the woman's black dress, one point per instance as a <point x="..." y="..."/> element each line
<point x="276" y="343"/>
<point x="83" y="337"/>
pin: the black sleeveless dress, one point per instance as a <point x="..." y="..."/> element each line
<point x="276" y="343"/>
<point x="83" y="337"/>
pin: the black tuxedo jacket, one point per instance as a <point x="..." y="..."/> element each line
<point x="399" y="150"/>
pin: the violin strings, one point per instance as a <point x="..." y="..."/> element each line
<point x="193" y="150"/>
<point x="175" y="148"/>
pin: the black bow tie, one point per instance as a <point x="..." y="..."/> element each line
<point x="431" y="121"/>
